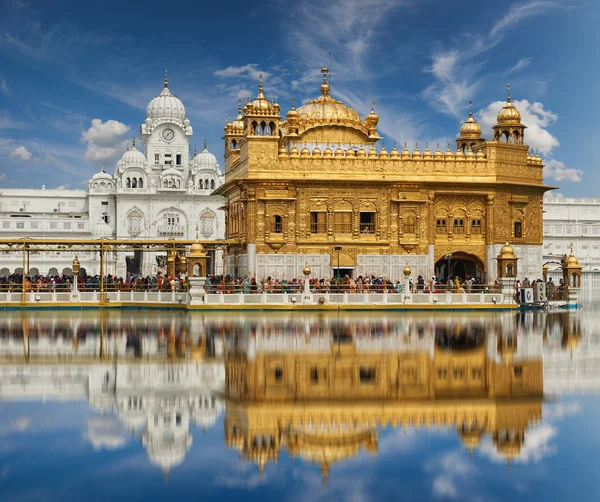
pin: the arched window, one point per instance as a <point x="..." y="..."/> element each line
<point x="165" y="183"/>
<point x="263" y="128"/>
<point x="233" y="144"/>
<point x="254" y="126"/>
<point x="272" y="128"/>
<point x="440" y="226"/>
<point x="212" y="184"/>
<point x="128" y="184"/>
<point x="134" y="183"/>
<point x="409" y="225"/>
<point x="140" y="183"/>
<point x="476" y="226"/>
<point x="277" y="224"/>
<point x="459" y="226"/>
<point x="200" y="184"/>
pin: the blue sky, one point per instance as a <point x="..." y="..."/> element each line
<point x="75" y="78"/>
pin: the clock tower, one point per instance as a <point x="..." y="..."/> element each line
<point x="166" y="133"/>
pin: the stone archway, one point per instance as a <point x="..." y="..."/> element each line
<point x="461" y="265"/>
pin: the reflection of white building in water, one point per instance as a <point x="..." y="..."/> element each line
<point x="160" y="191"/>
<point x="158" y="401"/>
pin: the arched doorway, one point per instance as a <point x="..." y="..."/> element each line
<point x="461" y="265"/>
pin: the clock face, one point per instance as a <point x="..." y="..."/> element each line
<point x="168" y="134"/>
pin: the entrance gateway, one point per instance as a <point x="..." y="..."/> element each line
<point x="343" y="272"/>
<point x="461" y="265"/>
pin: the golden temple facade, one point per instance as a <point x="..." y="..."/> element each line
<point x="315" y="187"/>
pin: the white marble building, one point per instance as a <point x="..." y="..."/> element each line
<point x="157" y="192"/>
<point x="576" y="222"/>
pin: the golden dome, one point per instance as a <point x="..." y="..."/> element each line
<point x="283" y="151"/>
<point x="406" y="271"/>
<point x="394" y="154"/>
<point x="459" y="155"/>
<point x="416" y="153"/>
<point x="326" y="110"/>
<point x="327" y="152"/>
<point x="480" y="155"/>
<point x="449" y="155"/>
<point x="571" y="259"/>
<point x="438" y="155"/>
<point x="339" y="152"/>
<point x="350" y="153"/>
<point x="316" y="151"/>
<point x="507" y="251"/>
<point x="361" y="152"/>
<point x="261" y="104"/>
<point x="405" y="152"/>
<point x="470" y="438"/>
<point x="427" y="153"/>
<point x="509" y="115"/>
<point x="470" y="129"/>
<point x="372" y="152"/>
<point x="305" y="152"/>
<point x="294" y="151"/>
<point x="469" y="155"/>
<point x="197" y="249"/>
<point x="383" y="153"/>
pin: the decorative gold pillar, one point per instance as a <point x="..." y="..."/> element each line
<point x="171" y="262"/>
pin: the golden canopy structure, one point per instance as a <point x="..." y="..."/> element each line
<point x="314" y="186"/>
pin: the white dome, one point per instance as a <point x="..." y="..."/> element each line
<point x="166" y="106"/>
<point x="132" y="158"/>
<point x="102" y="175"/>
<point x="206" y="160"/>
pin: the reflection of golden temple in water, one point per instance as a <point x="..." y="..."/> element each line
<point x="318" y="386"/>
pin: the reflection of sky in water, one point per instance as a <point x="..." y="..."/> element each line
<point x="71" y="450"/>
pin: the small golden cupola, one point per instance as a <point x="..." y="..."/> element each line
<point x="470" y="133"/>
<point x="508" y="128"/>
<point x="261" y="117"/>
<point x="371" y="122"/>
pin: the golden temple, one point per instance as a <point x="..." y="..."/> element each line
<point x="313" y="187"/>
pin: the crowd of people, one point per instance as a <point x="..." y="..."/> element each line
<point x="227" y="284"/>
<point x="64" y="283"/>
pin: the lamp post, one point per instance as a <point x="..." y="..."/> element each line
<point x="338" y="249"/>
<point x="76" y="269"/>
<point x="448" y="257"/>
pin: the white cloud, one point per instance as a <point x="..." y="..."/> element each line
<point x="2" y="176"/>
<point x="104" y="133"/>
<point x="560" y="410"/>
<point x="21" y="153"/>
<point x="17" y="425"/>
<point x="535" y="448"/>
<point x="533" y="115"/>
<point x="556" y="170"/>
<point x="105" y="432"/>
<point x="249" y="70"/>
<point x="520" y="65"/>
<point x="8" y="123"/>
<point x="63" y="187"/>
<point x="448" y="470"/>
<point x="48" y="159"/>
<point x="105" y="141"/>
<point x="518" y="12"/>
<point x="4" y="87"/>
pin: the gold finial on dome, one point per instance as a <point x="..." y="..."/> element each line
<point x="166" y="79"/>
<point x="508" y="100"/>
<point x="507" y="251"/>
<point x="325" y="85"/>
